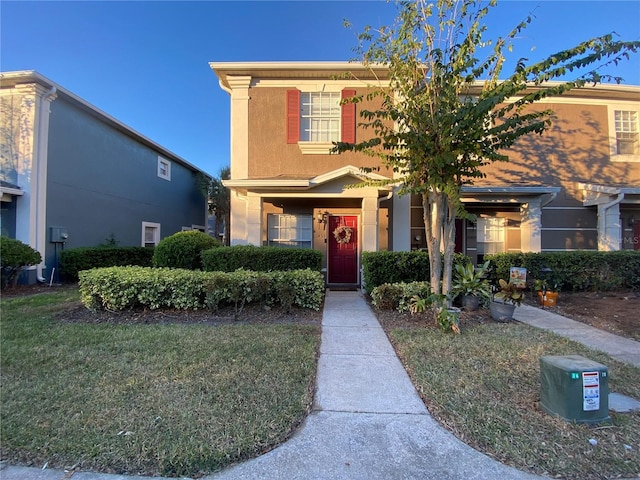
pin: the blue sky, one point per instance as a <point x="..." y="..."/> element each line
<point x="146" y="63"/>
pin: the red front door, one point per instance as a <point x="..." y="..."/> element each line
<point x="343" y="249"/>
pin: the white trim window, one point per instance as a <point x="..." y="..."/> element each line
<point x="491" y="235"/>
<point x="320" y="116"/>
<point x="290" y="230"/>
<point x="626" y="122"/>
<point x="150" y="234"/>
<point x="164" y="168"/>
<point x="624" y="132"/>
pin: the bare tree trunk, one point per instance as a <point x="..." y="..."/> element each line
<point x="433" y="205"/>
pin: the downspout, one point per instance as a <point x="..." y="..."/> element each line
<point x="41" y="175"/>
<point x="224" y="87"/>
<point x="384" y="199"/>
<point x="380" y="200"/>
<point x="602" y="216"/>
<point x="550" y="197"/>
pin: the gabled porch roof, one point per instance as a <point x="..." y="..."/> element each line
<point x="335" y="182"/>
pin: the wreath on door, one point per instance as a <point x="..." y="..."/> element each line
<point x="342" y="234"/>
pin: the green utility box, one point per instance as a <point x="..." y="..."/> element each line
<point x="574" y="388"/>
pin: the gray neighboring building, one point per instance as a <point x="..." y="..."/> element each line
<point x="73" y="176"/>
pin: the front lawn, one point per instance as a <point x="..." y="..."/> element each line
<point x="171" y="400"/>
<point x="484" y="385"/>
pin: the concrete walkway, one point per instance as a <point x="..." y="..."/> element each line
<point x="368" y="421"/>
<point x="620" y="348"/>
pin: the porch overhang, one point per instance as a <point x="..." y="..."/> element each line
<point x="9" y="190"/>
<point x="594" y="195"/>
<point x="608" y="199"/>
<point x="330" y="184"/>
<point x="508" y="194"/>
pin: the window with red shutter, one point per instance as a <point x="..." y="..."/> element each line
<point x="315" y="119"/>
<point x="348" y="120"/>
<point x="293" y="116"/>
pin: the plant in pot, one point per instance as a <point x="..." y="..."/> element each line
<point x="505" y="301"/>
<point x="470" y="285"/>
<point x="547" y="293"/>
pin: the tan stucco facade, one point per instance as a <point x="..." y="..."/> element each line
<point x="564" y="190"/>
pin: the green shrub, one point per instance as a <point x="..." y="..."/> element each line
<point x="577" y="271"/>
<point x="308" y="286"/>
<point x="85" y="258"/>
<point x="183" y="250"/>
<point x="398" y="296"/>
<point x="119" y="288"/>
<point x="14" y="256"/>
<point x="260" y="259"/>
<point x="396" y="267"/>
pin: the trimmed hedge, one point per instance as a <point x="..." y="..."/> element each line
<point x="577" y="271"/>
<point x="398" y="267"/>
<point x="14" y="256"/>
<point x="260" y="259"/>
<point x="85" y="258"/>
<point x="183" y="250"/>
<point x="120" y="288"/>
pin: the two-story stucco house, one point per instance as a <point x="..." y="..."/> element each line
<point x="575" y="187"/>
<point x="72" y="176"/>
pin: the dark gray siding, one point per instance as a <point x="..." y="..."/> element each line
<point x="102" y="182"/>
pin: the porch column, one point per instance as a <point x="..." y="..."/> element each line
<point x="402" y="223"/>
<point x="609" y="229"/>
<point x="369" y="235"/>
<point x="238" y="219"/>
<point x="254" y="220"/>
<point x="531" y="226"/>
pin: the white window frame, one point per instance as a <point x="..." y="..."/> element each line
<point x="287" y="230"/>
<point x="308" y="147"/>
<point x="626" y="130"/>
<point x="613" y="132"/>
<point x="491" y="231"/>
<point x="156" y="233"/>
<point x="320" y="117"/>
<point x="164" y="168"/>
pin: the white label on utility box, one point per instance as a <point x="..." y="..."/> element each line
<point x="590" y="391"/>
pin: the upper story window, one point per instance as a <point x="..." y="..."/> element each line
<point x="626" y="132"/>
<point x="320" y="117"/>
<point x="316" y="119"/>
<point x="290" y="230"/>
<point x="164" y="168"/>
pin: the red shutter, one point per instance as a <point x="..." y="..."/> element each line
<point x="293" y="116"/>
<point x="348" y="118"/>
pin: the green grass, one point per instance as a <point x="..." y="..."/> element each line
<point x="484" y="385"/>
<point x="173" y="400"/>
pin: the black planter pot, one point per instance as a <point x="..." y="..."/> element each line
<point x="501" y="312"/>
<point x="470" y="302"/>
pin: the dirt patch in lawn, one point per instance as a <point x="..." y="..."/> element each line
<point x="75" y="312"/>
<point x="614" y="312"/>
<point x="250" y="314"/>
